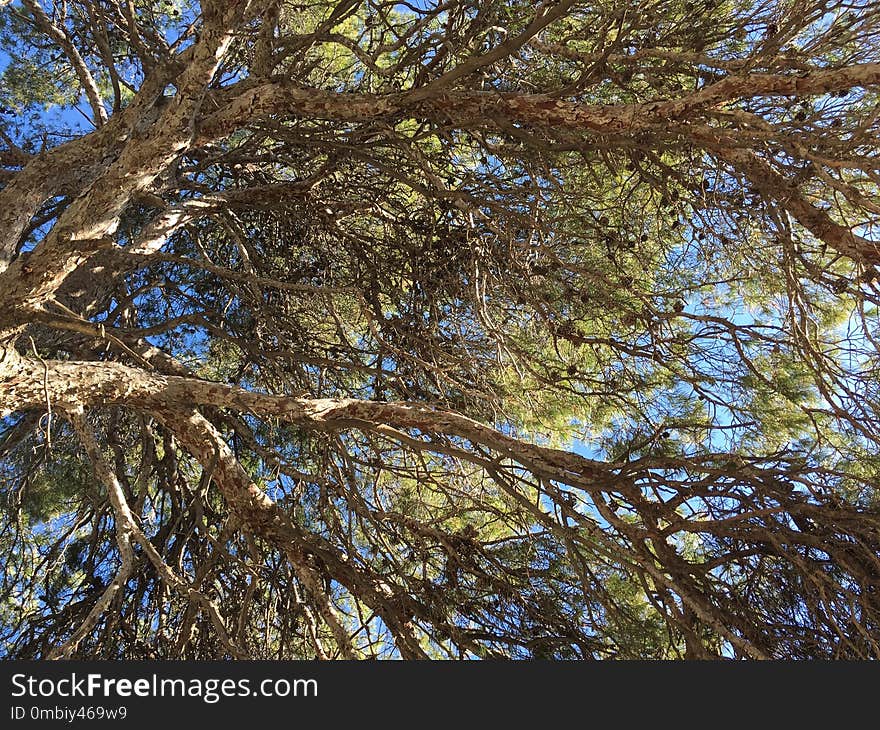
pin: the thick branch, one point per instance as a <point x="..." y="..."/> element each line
<point x="59" y="35"/>
<point x="92" y="383"/>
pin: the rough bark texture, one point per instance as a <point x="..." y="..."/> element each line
<point x="379" y="258"/>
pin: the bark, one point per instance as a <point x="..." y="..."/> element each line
<point x="129" y="534"/>
<point x="72" y="168"/>
<point x="94" y="216"/>
<point x="79" y="264"/>
<point x="70" y="386"/>
<point x="818" y="222"/>
<point x="86" y="224"/>
<point x="59" y="35"/>
<point x="251" y="100"/>
<point x="31" y="383"/>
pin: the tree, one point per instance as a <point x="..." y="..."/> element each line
<point x="447" y="329"/>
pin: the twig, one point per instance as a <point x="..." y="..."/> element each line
<point x="128" y="530"/>
<point x="48" y="400"/>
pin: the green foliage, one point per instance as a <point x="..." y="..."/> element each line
<point x="529" y="245"/>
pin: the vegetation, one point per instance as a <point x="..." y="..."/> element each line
<point x="449" y="329"/>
